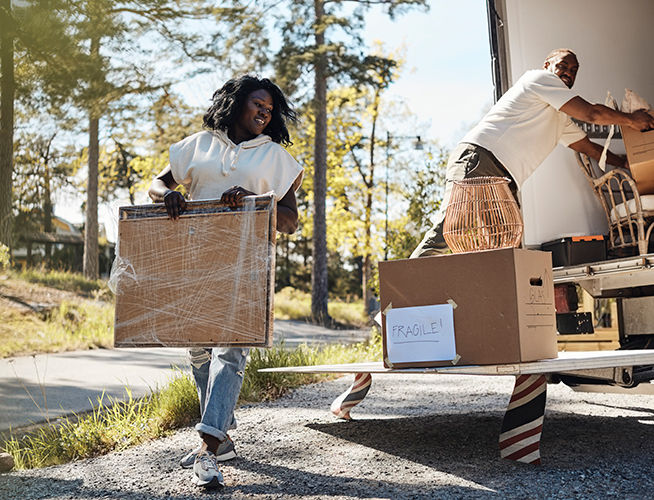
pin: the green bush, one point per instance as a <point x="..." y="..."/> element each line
<point x="5" y="257"/>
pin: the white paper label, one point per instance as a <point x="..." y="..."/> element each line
<point x="421" y="333"/>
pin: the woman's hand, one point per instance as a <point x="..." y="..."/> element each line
<point x="234" y="195"/>
<point x="162" y="190"/>
<point x="175" y="203"/>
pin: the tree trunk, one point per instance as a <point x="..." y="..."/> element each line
<point x="47" y="200"/>
<point x="319" y="285"/>
<point x="91" y="225"/>
<point x="368" y="295"/>
<point x="7" y="91"/>
<point x="47" y="211"/>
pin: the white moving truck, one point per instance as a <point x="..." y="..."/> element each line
<point x="612" y="40"/>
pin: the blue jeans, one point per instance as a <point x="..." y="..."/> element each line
<point x="218" y="374"/>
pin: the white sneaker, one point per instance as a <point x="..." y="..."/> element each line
<point x="226" y="451"/>
<point x="205" y="471"/>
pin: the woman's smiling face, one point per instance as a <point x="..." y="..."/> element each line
<point x="255" y="115"/>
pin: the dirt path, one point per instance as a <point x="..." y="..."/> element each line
<point x="416" y="436"/>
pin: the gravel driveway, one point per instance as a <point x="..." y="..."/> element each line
<point x="416" y="436"/>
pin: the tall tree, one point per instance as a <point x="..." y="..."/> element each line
<point x="117" y="35"/>
<point x="38" y="58"/>
<point x="378" y="82"/>
<point x="357" y="120"/>
<point x="324" y="36"/>
<point x="7" y="90"/>
<point x="421" y="192"/>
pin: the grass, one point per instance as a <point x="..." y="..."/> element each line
<point x="71" y="326"/>
<point x="266" y="386"/>
<point x="65" y="280"/>
<point x="82" y="318"/>
<point x="112" y="425"/>
<point x="115" y="425"/>
<point x="296" y="304"/>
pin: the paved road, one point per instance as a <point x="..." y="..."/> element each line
<point x="34" y="389"/>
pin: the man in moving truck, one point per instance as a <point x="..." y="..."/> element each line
<point x="523" y="128"/>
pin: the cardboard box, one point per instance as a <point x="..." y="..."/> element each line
<point x="503" y="303"/>
<point x="640" y="153"/>
<point x="206" y="279"/>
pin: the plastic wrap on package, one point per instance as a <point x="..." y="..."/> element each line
<point x="206" y="279"/>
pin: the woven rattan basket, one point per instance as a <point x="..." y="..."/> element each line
<point x="482" y="215"/>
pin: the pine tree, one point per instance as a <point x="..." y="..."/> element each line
<point x="307" y="44"/>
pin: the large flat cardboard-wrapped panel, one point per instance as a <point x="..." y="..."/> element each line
<point x="206" y="279"/>
<point x="503" y="302"/>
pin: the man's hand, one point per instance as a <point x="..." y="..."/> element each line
<point x="625" y="162"/>
<point x="594" y="150"/>
<point x="175" y="203"/>
<point x="234" y="195"/>
<point x="642" y="120"/>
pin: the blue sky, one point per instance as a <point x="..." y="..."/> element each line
<point x="447" y="78"/>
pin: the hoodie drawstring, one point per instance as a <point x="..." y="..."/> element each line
<point x="228" y="165"/>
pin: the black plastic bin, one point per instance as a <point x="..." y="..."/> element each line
<point x="576" y="250"/>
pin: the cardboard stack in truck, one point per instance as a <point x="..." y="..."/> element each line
<point x="502" y="302"/>
<point x="640" y="154"/>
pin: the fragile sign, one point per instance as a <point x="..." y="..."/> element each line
<point x="420" y="333"/>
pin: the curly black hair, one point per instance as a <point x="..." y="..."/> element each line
<point x="228" y="101"/>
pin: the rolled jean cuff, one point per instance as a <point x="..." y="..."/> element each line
<point x="212" y="431"/>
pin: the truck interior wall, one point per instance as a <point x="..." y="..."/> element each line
<point x="612" y="40"/>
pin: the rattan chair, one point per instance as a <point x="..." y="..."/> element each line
<point x="630" y="216"/>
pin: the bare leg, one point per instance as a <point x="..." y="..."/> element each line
<point x="210" y="443"/>
<point x="523" y="421"/>
<point x="353" y="396"/>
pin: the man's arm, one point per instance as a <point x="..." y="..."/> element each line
<point x="599" y="114"/>
<point x="594" y="150"/>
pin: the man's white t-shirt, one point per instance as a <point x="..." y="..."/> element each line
<point x="208" y="163"/>
<point x="525" y="125"/>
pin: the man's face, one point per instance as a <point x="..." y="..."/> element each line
<point x="564" y="66"/>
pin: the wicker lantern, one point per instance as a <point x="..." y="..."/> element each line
<point x="482" y="215"/>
